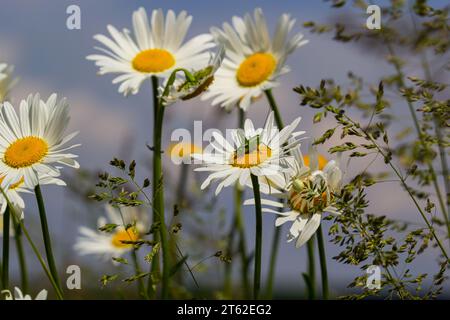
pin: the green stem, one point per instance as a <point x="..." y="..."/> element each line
<point x="33" y="246"/>
<point x="403" y="182"/>
<point x="258" y="237"/>
<point x="401" y="84"/>
<point x="278" y="231"/>
<point x="228" y="278"/>
<point x="273" y="261"/>
<point x="440" y="140"/>
<point x="274" y="107"/>
<point x="5" y="259"/>
<point x="137" y="268"/>
<point x="238" y="196"/>
<point x="181" y="190"/>
<point x="21" y="257"/>
<point x="242" y="241"/>
<point x="46" y="235"/>
<point x="159" y="200"/>
<point x="155" y="266"/>
<point x="311" y="269"/>
<point x="323" y="263"/>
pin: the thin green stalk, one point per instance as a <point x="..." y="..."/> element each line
<point x="311" y="285"/>
<point x="155" y="266"/>
<point x="5" y="259"/>
<point x="323" y="263"/>
<point x="278" y="231"/>
<point x="403" y="182"/>
<point x="242" y="241"/>
<point x="228" y="278"/>
<point x="238" y="196"/>
<point x="137" y="268"/>
<point x="159" y="201"/>
<point x="420" y="136"/>
<point x="273" y="261"/>
<point x="440" y="138"/>
<point x="46" y="235"/>
<point x="21" y="257"/>
<point x="274" y="107"/>
<point x="182" y="182"/>
<point x="33" y="246"/>
<point x="258" y="237"/>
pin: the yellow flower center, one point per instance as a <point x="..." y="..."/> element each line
<point x="322" y="161"/>
<point x="253" y="158"/>
<point x="256" y="69"/>
<point x="153" y="61"/>
<point x="13" y="185"/>
<point x="124" y="235"/>
<point x="180" y="150"/>
<point x="25" y="152"/>
<point x="302" y="205"/>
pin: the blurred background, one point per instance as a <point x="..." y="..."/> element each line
<point x="50" y="58"/>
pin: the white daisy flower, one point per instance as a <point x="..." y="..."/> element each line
<point x="309" y="192"/>
<point x="260" y="152"/>
<point x="253" y="61"/>
<point x="18" y="295"/>
<point x="7" y="81"/>
<point x="33" y="142"/>
<point x="186" y="90"/>
<point x="110" y="244"/>
<point x="155" y="49"/>
<point x="14" y="191"/>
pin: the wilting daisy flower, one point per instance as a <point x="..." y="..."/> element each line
<point x="110" y="243"/>
<point x="181" y="152"/>
<point x="260" y="152"/>
<point x="253" y="61"/>
<point x="309" y="192"/>
<point x="14" y="191"/>
<point x="154" y="49"/>
<point x="183" y="89"/>
<point x="6" y="80"/>
<point x="18" y="295"/>
<point x="33" y="141"/>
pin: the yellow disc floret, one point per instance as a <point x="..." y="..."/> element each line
<point x="256" y="69"/>
<point x="153" y="61"/>
<point x="120" y="238"/>
<point x="252" y="158"/>
<point x="25" y="152"/>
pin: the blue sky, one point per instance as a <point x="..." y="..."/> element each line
<point x="50" y="58"/>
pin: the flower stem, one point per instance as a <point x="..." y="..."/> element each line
<point x="33" y="246"/>
<point x="274" y="107"/>
<point x="158" y="204"/>
<point x="278" y="231"/>
<point x="258" y="237"/>
<point x="238" y="196"/>
<point x="155" y="261"/>
<point x="46" y="235"/>
<point x="137" y="268"/>
<point x="311" y="269"/>
<point x="5" y="258"/>
<point x="21" y="257"/>
<point x="323" y="263"/>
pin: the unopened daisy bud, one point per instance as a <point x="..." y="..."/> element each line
<point x="298" y="185"/>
